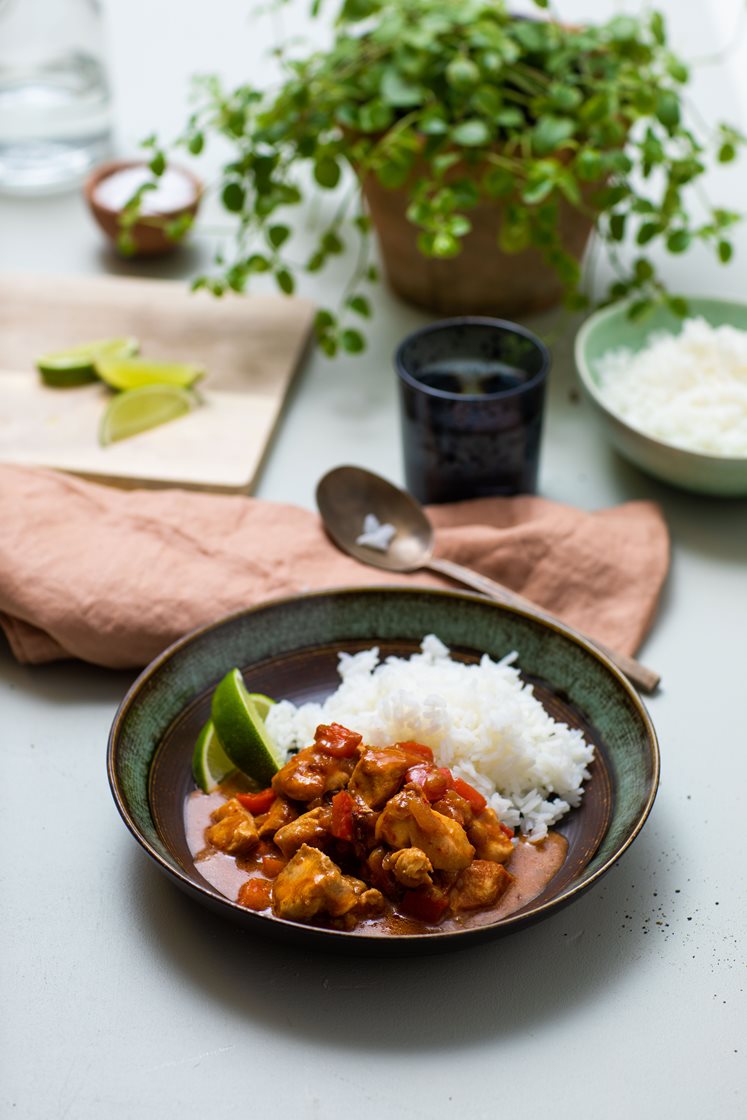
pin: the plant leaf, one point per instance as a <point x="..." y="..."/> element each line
<point x="472" y="133"/>
<point x="360" y="305"/>
<point x="551" y="132"/>
<point x="397" y="91"/>
<point x="617" y="226"/>
<point x="352" y="341"/>
<point x="233" y="197"/>
<point x="647" y="232"/>
<point x="327" y="172"/>
<point x="725" y="251"/>
<point x="536" y="191"/>
<point x="678" y="241"/>
<point x="668" y="109"/>
<point x="158" y="163"/>
<point x="278" y="235"/>
<point x="285" y="281"/>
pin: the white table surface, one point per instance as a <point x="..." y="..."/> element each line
<point x="122" y="998"/>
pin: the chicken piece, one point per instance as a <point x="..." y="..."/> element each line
<point x="280" y="812"/>
<point x="311" y="773"/>
<point x="378" y="774"/>
<point x="479" y="885"/>
<point x="407" y="821"/>
<point x="234" y="830"/>
<point x="312" y="884"/>
<point x="410" y="867"/>
<point x="489" y="839"/>
<point x="367" y="899"/>
<point x="312" y="828"/>
<point x="378" y="875"/>
<point x="456" y="807"/>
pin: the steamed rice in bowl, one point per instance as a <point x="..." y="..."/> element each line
<point x="687" y="389"/>
<point x="481" y="720"/>
<point x="670" y="395"/>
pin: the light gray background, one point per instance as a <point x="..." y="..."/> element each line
<point x="122" y="998"/>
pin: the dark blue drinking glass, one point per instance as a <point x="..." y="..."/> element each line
<point x="472" y="394"/>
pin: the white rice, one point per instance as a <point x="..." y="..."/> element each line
<point x="480" y="720"/>
<point x="688" y="390"/>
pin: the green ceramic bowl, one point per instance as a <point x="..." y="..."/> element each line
<point x="289" y="649"/>
<point x="610" y="329"/>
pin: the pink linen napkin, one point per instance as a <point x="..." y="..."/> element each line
<point x="114" y="576"/>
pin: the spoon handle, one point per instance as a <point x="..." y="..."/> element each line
<point x="645" y="679"/>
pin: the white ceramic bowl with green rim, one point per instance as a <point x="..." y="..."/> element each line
<point x="611" y="329"/>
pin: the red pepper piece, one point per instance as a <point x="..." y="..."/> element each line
<point x="272" y="865"/>
<point x="336" y="740"/>
<point x="257" y="802"/>
<point x="417" y="751"/>
<point x="342" y="816"/>
<point x="426" y="907"/>
<point x="433" y="782"/>
<point x="469" y="793"/>
<point x="506" y="830"/>
<point x="256" y="894"/>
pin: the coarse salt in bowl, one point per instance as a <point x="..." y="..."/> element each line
<point x="174" y="195"/>
<point x="672" y="393"/>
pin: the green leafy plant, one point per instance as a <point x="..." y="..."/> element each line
<point x="459" y="102"/>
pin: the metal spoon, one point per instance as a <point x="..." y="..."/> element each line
<point x="346" y="494"/>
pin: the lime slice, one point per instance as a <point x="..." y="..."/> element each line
<point x="261" y="702"/>
<point x="76" y="366"/>
<point x="210" y="763"/>
<point x="139" y="409"/>
<point x="242" y="731"/>
<point x="132" y="373"/>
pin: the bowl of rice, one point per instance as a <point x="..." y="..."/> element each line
<point x="671" y="393"/>
<point x="532" y="716"/>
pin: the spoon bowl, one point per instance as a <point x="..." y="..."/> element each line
<point x="347" y="494"/>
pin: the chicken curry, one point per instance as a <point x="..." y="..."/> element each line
<point x="354" y="837"/>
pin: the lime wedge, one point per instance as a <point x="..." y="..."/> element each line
<point x="132" y="373"/>
<point x="241" y="729"/>
<point x="261" y="702"/>
<point x="210" y="763"/>
<point x="76" y="366"/>
<point x="139" y="409"/>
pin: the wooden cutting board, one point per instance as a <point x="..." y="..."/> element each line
<point x="251" y="347"/>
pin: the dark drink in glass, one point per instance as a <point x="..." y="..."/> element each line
<point x="472" y="394"/>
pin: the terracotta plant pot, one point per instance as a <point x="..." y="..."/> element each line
<point x="481" y="280"/>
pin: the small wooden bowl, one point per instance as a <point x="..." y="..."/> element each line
<point x="148" y="234"/>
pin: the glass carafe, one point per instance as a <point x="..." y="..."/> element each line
<point x="55" y="104"/>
